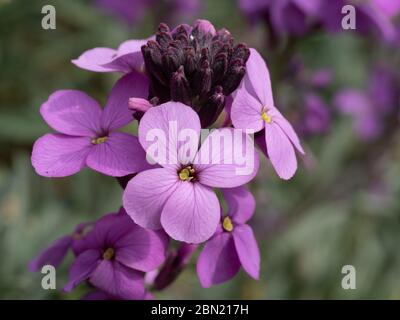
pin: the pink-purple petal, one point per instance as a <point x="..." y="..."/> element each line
<point x="146" y="194"/>
<point x="116" y="113"/>
<point x="58" y="155"/>
<point x="218" y="261"/>
<point x="94" y="60"/>
<point x="241" y="203"/>
<point x="247" y="249"/>
<point x="191" y="214"/>
<point x="219" y="165"/>
<point x="142" y="249"/>
<point x="72" y="112"/>
<point x="119" y="156"/>
<point x="118" y="280"/>
<point x="246" y="111"/>
<point x="82" y="268"/>
<point x="171" y="120"/>
<point x="53" y="255"/>
<point x="257" y="78"/>
<point x="280" y="151"/>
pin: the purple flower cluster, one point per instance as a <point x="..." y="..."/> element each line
<point x="185" y="79"/>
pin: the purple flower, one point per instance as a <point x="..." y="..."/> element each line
<point x="128" y="57"/>
<point x="56" y="252"/>
<point x="86" y="134"/>
<point x="233" y="245"/>
<point x="253" y="108"/>
<point x="370" y="108"/>
<point x="115" y="254"/>
<point x="316" y="117"/>
<point x="178" y="196"/>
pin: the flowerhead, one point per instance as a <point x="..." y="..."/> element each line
<point x="114" y="256"/>
<point x="253" y="108"/>
<point x="233" y="245"/>
<point x="178" y="195"/>
<point x="86" y="134"/>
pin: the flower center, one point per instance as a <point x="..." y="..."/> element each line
<point x="108" y="254"/>
<point x="99" y="140"/>
<point x="227" y="224"/>
<point x="186" y="174"/>
<point x="267" y="118"/>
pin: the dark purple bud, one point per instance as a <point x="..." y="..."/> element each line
<point x="180" y="88"/>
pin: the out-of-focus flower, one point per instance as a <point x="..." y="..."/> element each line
<point x="369" y="109"/>
<point x="56" y="252"/>
<point x="128" y="57"/>
<point x="178" y="196"/>
<point x="197" y="66"/>
<point x="253" y="108"/>
<point x="133" y="11"/>
<point x="86" y="134"/>
<point x="114" y="256"/>
<point x="316" y="117"/>
<point x="233" y="245"/>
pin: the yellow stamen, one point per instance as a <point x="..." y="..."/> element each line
<point x="99" y="140"/>
<point x="227" y="224"/>
<point x="186" y="174"/>
<point x="108" y="254"/>
<point x="266" y="117"/>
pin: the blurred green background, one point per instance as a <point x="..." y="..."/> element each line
<point x="342" y="207"/>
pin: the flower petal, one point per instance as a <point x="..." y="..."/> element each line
<point x="191" y="214"/>
<point x="95" y="59"/>
<point x="53" y="255"/>
<point x="280" y="151"/>
<point x="168" y="124"/>
<point x="128" y="58"/>
<point x="118" y="280"/>
<point x="257" y="79"/>
<point x="287" y="128"/>
<point x="241" y="203"/>
<point x="58" y="155"/>
<point x="141" y="249"/>
<point x="72" y="112"/>
<point x="247" y="249"/>
<point x="116" y="114"/>
<point x="82" y="268"/>
<point x="226" y="159"/>
<point x="146" y="194"/>
<point x="218" y="261"/>
<point x="246" y="111"/>
<point x="119" y="156"/>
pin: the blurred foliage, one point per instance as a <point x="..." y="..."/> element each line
<point x="343" y="206"/>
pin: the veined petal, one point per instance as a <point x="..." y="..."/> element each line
<point x="246" y="111"/>
<point x="257" y="79"/>
<point x="94" y="60"/>
<point x="116" y="114"/>
<point x="173" y="129"/>
<point x="146" y="194"/>
<point x="118" y="280"/>
<point x="226" y="159"/>
<point x="280" y="151"/>
<point x="82" y="268"/>
<point x="241" y="204"/>
<point x="72" y="112"/>
<point x="58" y="155"/>
<point x="218" y="261"/>
<point x="121" y="154"/>
<point x="247" y="249"/>
<point x="191" y="214"/>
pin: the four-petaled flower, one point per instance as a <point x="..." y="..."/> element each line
<point x="253" y="108"/>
